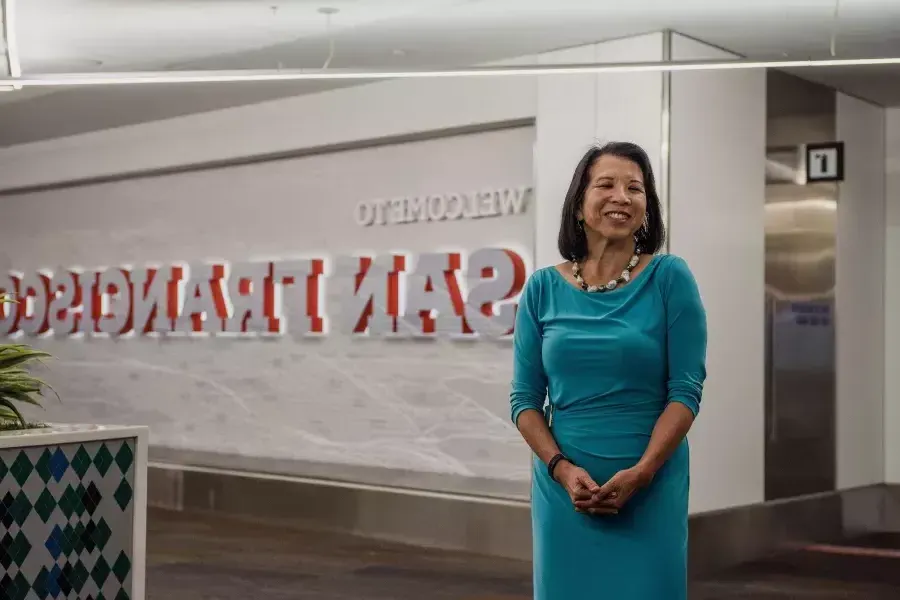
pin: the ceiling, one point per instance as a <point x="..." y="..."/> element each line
<point x="64" y="36"/>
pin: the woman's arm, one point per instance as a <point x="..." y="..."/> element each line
<point x="686" y="351"/>
<point x="670" y="429"/>
<point x="529" y="390"/>
<point x="533" y="427"/>
<point x="529" y="382"/>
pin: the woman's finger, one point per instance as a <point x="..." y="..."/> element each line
<point x="608" y="496"/>
<point x="589" y="483"/>
<point x="608" y="502"/>
<point x="581" y="494"/>
<point x="594" y="503"/>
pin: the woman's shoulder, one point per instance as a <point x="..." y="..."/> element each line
<point x="540" y="277"/>
<point x="674" y="272"/>
<point x="673" y="265"/>
<point x="541" y="282"/>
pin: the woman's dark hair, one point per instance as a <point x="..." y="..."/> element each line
<point x="649" y="238"/>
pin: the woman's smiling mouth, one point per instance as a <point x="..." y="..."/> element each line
<point x="618" y="216"/>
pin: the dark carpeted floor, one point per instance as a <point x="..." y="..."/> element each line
<point x="192" y="557"/>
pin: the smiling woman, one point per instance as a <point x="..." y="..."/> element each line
<point x="617" y="337"/>
<point x="615" y="166"/>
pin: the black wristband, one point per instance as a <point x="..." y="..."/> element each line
<point x="551" y="466"/>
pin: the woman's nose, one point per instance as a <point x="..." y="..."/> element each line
<point x="621" y="196"/>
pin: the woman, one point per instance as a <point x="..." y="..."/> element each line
<point x="615" y="337"/>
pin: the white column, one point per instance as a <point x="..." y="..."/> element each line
<point x="716" y="204"/>
<point x="859" y="299"/>
<point x="576" y="111"/>
<point x="892" y="300"/>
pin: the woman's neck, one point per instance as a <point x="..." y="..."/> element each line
<point x="606" y="260"/>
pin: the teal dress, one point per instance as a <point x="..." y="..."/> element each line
<point x="609" y="363"/>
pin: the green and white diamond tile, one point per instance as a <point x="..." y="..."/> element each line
<point x="66" y="521"/>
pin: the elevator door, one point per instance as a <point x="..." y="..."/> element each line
<point x="800" y="377"/>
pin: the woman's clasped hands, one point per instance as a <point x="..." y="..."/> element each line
<point x="589" y="497"/>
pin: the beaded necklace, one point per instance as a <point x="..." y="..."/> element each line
<point x="613" y="284"/>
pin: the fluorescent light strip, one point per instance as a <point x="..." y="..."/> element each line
<point x="162" y="77"/>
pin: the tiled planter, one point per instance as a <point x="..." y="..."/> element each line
<point x="73" y="513"/>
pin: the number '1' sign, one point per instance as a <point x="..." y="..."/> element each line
<point x="825" y="162"/>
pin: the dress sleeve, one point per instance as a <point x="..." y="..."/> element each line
<point x="686" y="322"/>
<point x="529" y="382"/>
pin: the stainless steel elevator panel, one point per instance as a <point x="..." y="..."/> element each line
<point x="801" y="362"/>
<point x="800" y="241"/>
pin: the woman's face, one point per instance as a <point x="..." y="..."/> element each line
<point x="614" y="201"/>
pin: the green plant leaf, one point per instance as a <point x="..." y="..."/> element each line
<point x="29" y="385"/>
<point x="13" y="372"/>
<point x="7" y="403"/>
<point x="11" y="390"/>
<point x="18" y="348"/>
<point x="17" y="384"/>
<point x="4" y="348"/>
<point x="19" y="357"/>
<point x="22" y="397"/>
<point x="18" y="381"/>
<point x="21" y="377"/>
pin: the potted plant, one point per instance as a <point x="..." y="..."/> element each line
<point x="17" y="384"/>
<point x="73" y="498"/>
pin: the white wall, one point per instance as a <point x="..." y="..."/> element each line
<point x="892" y="299"/>
<point x="285" y="403"/>
<point x="859" y="280"/>
<point x="365" y="112"/>
<point x="716" y="202"/>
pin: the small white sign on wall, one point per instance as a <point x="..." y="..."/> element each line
<point x="825" y="162"/>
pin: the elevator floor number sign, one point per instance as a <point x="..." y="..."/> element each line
<point x="825" y="162"/>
